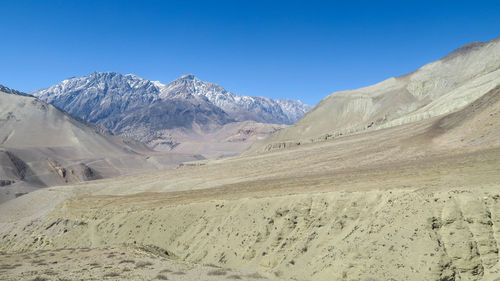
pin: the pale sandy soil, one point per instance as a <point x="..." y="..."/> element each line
<point x="430" y="219"/>
<point x="109" y="264"/>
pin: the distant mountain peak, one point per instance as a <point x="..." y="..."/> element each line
<point x="151" y="111"/>
<point x="12" y="91"/>
<point x="468" y="48"/>
<point x="187" y="77"/>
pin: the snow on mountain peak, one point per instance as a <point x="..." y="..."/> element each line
<point x="187" y="77"/>
<point x="113" y="90"/>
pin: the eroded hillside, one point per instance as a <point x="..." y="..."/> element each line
<point x="42" y="146"/>
<point x="437" y="88"/>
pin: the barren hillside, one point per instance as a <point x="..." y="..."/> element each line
<point x="42" y="146"/>
<point x="435" y="89"/>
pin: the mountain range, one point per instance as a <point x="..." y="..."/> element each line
<point x="164" y="116"/>
<point x="42" y="146"/>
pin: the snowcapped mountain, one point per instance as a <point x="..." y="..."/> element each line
<point x="96" y="96"/>
<point x="158" y="113"/>
<point x="6" y="90"/>
<point x="240" y="108"/>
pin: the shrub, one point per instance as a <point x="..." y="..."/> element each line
<point x="161" y="277"/>
<point x="50" y="272"/>
<point x="111" y="274"/>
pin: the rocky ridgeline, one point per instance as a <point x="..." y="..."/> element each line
<point x="142" y="109"/>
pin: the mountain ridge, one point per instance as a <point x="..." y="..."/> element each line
<point x="41" y="146"/>
<point x="286" y="110"/>
<point x="437" y="88"/>
<point x="165" y="115"/>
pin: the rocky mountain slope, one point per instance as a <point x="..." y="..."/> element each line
<point x="164" y="115"/>
<point x="435" y="89"/>
<point x="239" y="108"/>
<point x="42" y="146"/>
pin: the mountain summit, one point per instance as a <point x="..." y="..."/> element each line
<point x="187" y="77"/>
<point x="240" y="108"/>
<point x="165" y="115"/>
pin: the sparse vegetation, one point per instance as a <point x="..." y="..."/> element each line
<point x="161" y="277"/>
<point x="234" y="277"/>
<point x="50" y="272"/>
<point x="218" y="272"/>
<point x="142" y="264"/>
<point x="179" y="273"/>
<point x="38" y="278"/>
<point x="127" y="261"/>
<point x="111" y="274"/>
<point x="6" y="266"/>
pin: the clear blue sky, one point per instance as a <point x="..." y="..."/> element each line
<point x="281" y="49"/>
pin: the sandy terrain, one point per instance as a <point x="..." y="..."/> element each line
<point x="228" y="140"/>
<point x="397" y="224"/>
<point x="109" y="264"/>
